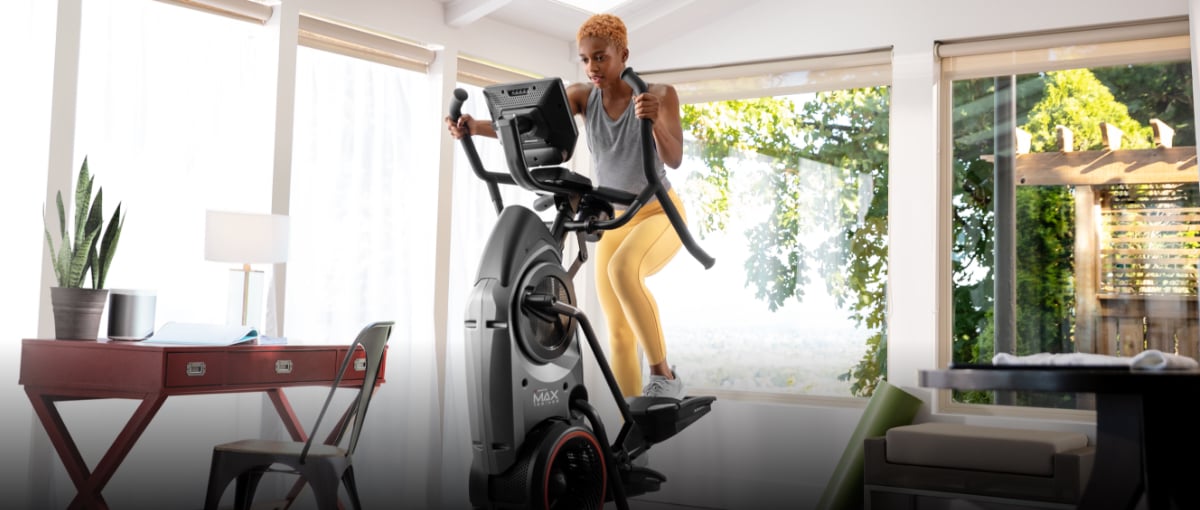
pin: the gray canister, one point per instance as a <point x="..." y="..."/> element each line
<point x="131" y="314"/>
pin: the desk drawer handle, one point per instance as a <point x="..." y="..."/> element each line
<point x="195" y="369"/>
<point x="360" y="365"/>
<point x="283" y="366"/>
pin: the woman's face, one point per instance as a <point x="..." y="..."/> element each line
<point x="602" y="61"/>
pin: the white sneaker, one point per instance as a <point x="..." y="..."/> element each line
<point x="660" y="386"/>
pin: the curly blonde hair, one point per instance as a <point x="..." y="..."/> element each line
<point x="605" y="26"/>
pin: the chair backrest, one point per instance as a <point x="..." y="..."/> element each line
<point x="373" y="338"/>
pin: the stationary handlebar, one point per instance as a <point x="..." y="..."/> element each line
<point x="489" y="178"/>
<point x="654" y="186"/>
<point x="653" y="180"/>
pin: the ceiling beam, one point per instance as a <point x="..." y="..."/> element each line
<point x="639" y="14"/>
<point x="460" y="13"/>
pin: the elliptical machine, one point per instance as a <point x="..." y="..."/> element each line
<point x="537" y="442"/>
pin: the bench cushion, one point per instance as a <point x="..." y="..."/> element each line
<point x="994" y="449"/>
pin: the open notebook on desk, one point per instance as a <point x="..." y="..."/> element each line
<point x="187" y="333"/>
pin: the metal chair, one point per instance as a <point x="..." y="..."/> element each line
<point x="322" y="466"/>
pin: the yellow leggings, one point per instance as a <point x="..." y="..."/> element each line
<point x="624" y="258"/>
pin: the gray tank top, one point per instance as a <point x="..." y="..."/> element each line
<point x="616" y="147"/>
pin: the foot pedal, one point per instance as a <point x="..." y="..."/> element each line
<point x="641" y="480"/>
<point x="659" y="418"/>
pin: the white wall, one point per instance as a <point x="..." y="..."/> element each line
<point x="750" y="454"/>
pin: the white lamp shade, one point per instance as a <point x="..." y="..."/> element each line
<point x="245" y="238"/>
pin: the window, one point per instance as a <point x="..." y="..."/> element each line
<point x="175" y="116"/>
<point x="1074" y="202"/>
<point x="785" y="181"/>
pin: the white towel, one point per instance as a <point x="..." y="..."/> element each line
<point x="1158" y="360"/>
<point x="1070" y="358"/>
<point x="1146" y="360"/>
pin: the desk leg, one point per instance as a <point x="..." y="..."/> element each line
<point x="1117" y="479"/>
<point x="87" y="483"/>
<point x="287" y="415"/>
<point x="1171" y="472"/>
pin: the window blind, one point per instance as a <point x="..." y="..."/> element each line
<point x="1132" y="43"/>
<point x="361" y="43"/>
<point x="482" y="73"/>
<point x="246" y="10"/>
<point x="778" y="77"/>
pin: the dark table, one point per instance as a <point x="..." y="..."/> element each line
<point x="1145" y="447"/>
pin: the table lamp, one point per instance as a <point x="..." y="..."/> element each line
<point x="246" y="239"/>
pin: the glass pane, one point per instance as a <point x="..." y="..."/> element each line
<point x="1106" y="239"/>
<point x="789" y="193"/>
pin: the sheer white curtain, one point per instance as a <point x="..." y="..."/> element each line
<point x="27" y="49"/>
<point x="175" y="116"/>
<point x="363" y="223"/>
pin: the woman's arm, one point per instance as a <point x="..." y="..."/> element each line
<point x="577" y="96"/>
<point x="468" y="125"/>
<point x="661" y="104"/>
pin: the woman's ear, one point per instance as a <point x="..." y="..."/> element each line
<point x="624" y="55"/>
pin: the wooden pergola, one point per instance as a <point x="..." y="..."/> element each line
<point x="1135" y="262"/>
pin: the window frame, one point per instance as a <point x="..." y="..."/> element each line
<point x="1082" y="47"/>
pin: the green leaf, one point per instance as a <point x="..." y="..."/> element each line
<point x="83" y="197"/>
<point x="53" y="256"/>
<point x="62" y="219"/>
<point x="79" y="261"/>
<point x="108" y="246"/>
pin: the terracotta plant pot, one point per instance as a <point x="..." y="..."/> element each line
<point x="77" y="312"/>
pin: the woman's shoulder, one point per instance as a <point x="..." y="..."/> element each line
<point x="577" y="94"/>
<point x="662" y="89"/>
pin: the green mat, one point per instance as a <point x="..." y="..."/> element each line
<point x="889" y="407"/>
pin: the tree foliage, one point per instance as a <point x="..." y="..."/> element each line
<point x="827" y="157"/>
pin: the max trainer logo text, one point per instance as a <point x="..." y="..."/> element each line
<point x="544" y="397"/>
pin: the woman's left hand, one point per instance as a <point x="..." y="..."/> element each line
<point x="646" y="106"/>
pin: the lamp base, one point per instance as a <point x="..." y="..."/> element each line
<point x="245" y="306"/>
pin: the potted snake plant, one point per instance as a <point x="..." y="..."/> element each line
<point x="82" y="260"/>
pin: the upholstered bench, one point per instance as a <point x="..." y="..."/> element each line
<point x="914" y="465"/>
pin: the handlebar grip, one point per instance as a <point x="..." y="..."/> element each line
<point x="635" y="81"/>
<point x="460" y="97"/>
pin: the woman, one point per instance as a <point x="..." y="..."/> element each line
<point x="643" y="246"/>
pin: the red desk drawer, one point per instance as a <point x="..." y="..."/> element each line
<point x="195" y="369"/>
<point x="281" y="366"/>
<point x="358" y="366"/>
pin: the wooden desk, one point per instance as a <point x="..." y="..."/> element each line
<point x="62" y="370"/>
<point x="1143" y="447"/>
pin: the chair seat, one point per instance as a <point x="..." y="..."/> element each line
<point x="269" y="447"/>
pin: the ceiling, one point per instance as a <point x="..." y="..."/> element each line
<point x="650" y="22"/>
